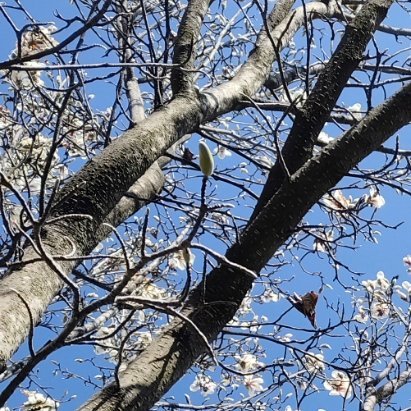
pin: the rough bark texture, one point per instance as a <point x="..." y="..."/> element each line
<point x="316" y="111"/>
<point x="376" y="395"/>
<point x="96" y="189"/>
<point x="184" y="49"/>
<point x="152" y="373"/>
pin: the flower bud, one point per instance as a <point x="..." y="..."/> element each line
<point x="206" y="159"/>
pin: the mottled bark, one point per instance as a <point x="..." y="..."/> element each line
<point x="97" y="189"/>
<point x="184" y="50"/>
<point x="152" y="373"/>
<point x="375" y="396"/>
<point x="316" y="111"/>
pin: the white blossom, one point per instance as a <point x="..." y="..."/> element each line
<point x="382" y="282"/>
<point x="380" y="310"/>
<point x="26" y="80"/>
<point x="247" y="362"/>
<point x="151" y="291"/>
<point x="314" y="362"/>
<point x="355" y="111"/>
<point x="204" y="384"/>
<point x="92" y="295"/>
<point x="361" y="316"/>
<point x="407" y="262"/>
<point x="266" y="161"/>
<point x="253" y="384"/>
<point x="37" y="39"/>
<point x="219" y="218"/>
<point x="106" y="346"/>
<point x="243" y="167"/>
<point x="260" y="406"/>
<point x="270" y="296"/>
<point x="286" y="337"/>
<point x="181" y="258"/>
<point x="339" y="384"/>
<point x="321" y="242"/>
<point x="375" y="199"/>
<point x="338" y="202"/>
<point x="38" y="402"/>
<point x="6" y="119"/>
<point x="407" y="286"/>
<point x="379" y="286"/>
<point x="324" y="138"/>
<point x="245" y="306"/>
<point x="369" y="285"/>
<point x="222" y="152"/>
<point x="33" y="153"/>
<point x="403" y="296"/>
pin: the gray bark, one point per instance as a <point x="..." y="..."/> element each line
<point x="375" y="396"/>
<point x="310" y="120"/>
<point x="97" y="189"/>
<point x="152" y="373"/>
<point x="182" y="77"/>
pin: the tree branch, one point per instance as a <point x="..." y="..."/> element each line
<point x="332" y="80"/>
<point x="384" y="392"/>
<point x="97" y="188"/>
<point x="184" y="49"/>
<point x="213" y="304"/>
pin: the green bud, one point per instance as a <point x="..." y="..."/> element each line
<point x="206" y="159"/>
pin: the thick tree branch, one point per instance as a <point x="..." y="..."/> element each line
<point x="253" y="74"/>
<point x="331" y="81"/>
<point x="386" y="391"/>
<point x="212" y="305"/>
<point x="96" y="189"/>
<point x="184" y="49"/>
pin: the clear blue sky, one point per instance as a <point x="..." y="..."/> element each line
<point x="368" y="259"/>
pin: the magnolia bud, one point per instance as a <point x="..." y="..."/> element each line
<point x="206" y="159"/>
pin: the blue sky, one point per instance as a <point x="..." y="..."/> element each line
<point x="369" y="258"/>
